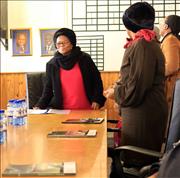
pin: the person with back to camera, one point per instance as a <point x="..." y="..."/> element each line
<point x="170" y="45"/>
<point x="140" y="91"/>
<point x="72" y="79"/>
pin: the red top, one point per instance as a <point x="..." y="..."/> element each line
<point x="73" y="91"/>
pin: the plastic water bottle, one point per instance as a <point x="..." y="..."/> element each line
<point x="10" y="110"/>
<point x="17" y="112"/>
<point x="3" y="127"/>
<point x="23" y="106"/>
<point x="17" y="118"/>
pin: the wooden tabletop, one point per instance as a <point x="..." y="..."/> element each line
<point x="29" y="144"/>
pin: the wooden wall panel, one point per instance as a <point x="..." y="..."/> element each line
<point x="13" y="86"/>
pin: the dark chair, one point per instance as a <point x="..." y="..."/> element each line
<point x="114" y="134"/>
<point x="172" y="136"/>
<point x="173" y="131"/>
<point x="34" y="87"/>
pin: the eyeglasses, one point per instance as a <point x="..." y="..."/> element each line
<point x="62" y="43"/>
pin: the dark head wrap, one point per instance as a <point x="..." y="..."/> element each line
<point x="66" y="32"/>
<point x="140" y="15"/>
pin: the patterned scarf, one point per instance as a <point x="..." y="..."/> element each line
<point x="146" y="34"/>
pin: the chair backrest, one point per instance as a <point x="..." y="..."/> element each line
<point x="35" y="82"/>
<point x="173" y="134"/>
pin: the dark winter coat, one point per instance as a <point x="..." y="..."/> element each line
<point x="52" y="94"/>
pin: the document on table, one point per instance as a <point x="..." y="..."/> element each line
<point x="42" y="169"/>
<point x="48" y="111"/>
<point x="72" y="133"/>
<point x="84" y="121"/>
<point x="37" y="111"/>
<point x="58" y="111"/>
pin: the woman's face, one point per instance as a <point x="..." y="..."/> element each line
<point x="163" y="27"/>
<point x="63" y="45"/>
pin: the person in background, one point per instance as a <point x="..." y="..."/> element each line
<point x="170" y="45"/>
<point x="140" y="91"/>
<point x="72" y="78"/>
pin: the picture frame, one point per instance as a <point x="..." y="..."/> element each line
<point x="47" y="44"/>
<point x="21" y="42"/>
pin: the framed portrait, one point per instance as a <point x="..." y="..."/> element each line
<point x="21" y="42"/>
<point x="47" y="44"/>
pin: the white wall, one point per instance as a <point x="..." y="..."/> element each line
<point x="51" y="14"/>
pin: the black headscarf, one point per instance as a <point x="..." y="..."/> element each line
<point x="65" y="32"/>
<point x="140" y="15"/>
<point x="68" y="62"/>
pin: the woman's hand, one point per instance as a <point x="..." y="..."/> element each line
<point x="109" y="93"/>
<point x="95" y="106"/>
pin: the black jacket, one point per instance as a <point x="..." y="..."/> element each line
<point x="52" y="95"/>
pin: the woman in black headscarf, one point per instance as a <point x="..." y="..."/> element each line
<point x="72" y="79"/>
<point x="140" y="91"/>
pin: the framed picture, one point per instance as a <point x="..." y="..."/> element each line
<point x="21" y="42"/>
<point x="47" y="44"/>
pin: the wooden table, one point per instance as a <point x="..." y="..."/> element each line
<point x="29" y="144"/>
